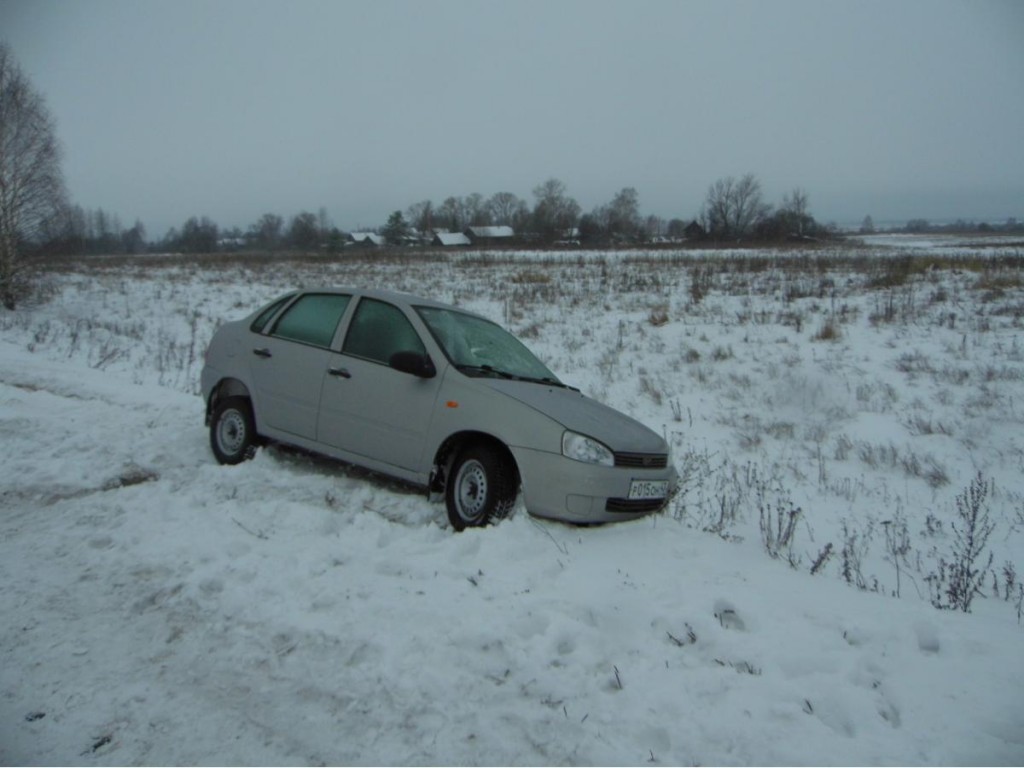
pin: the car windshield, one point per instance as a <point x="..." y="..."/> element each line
<point x="478" y="347"/>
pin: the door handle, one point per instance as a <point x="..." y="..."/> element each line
<point x="261" y="352"/>
<point x="342" y="372"/>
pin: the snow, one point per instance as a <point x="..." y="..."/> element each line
<point x="161" y="609"/>
<point x="939" y="241"/>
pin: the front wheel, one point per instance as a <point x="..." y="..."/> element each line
<point x="481" y="487"/>
<point x="233" y="431"/>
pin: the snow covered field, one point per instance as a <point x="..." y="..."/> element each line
<point x="834" y="414"/>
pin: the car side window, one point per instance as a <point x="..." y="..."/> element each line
<point x="378" y="331"/>
<point x="312" y="319"/>
<point x="259" y="324"/>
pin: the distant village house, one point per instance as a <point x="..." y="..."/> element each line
<point x="368" y="239"/>
<point x="498" y="235"/>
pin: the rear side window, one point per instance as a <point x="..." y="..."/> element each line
<point x="259" y="324"/>
<point x="312" y="319"/>
<point x="379" y="330"/>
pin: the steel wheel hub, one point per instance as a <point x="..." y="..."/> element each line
<point x="471" y="490"/>
<point x="231" y="432"/>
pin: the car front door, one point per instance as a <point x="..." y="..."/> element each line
<point x="288" y="363"/>
<point x="368" y="408"/>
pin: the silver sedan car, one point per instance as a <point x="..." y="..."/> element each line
<point x="433" y="395"/>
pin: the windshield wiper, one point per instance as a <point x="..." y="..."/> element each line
<point x="487" y="369"/>
<point x="545" y="380"/>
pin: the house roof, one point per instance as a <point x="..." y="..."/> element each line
<point x="499" y="231"/>
<point x="451" y="238"/>
<point x="367" y="237"/>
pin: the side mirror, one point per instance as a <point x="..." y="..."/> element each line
<point x="414" y="363"/>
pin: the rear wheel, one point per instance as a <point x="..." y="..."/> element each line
<point x="481" y="488"/>
<point x="233" y="430"/>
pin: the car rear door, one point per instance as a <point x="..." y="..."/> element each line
<point x="288" y="364"/>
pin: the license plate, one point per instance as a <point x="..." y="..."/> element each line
<point x="648" y="489"/>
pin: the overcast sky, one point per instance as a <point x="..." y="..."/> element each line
<point x="168" y="110"/>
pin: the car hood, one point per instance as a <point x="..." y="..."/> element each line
<point x="580" y="413"/>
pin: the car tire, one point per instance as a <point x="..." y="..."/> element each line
<point x="233" y="431"/>
<point x="481" y="488"/>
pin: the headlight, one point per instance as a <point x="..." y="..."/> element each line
<point x="586" y="449"/>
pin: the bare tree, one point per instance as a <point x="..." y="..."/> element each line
<point x="31" y="184"/>
<point x="624" y="214"/>
<point x="795" y="204"/>
<point x="503" y="207"/>
<point x="304" y="232"/>
<point x="452" y="214"/>
<point x="654" y="226"/>
<point x="198" y="235"/>
<point x="676" y="228"/>
<point x="421" y="216"/>
<point x="733" y="208"/>
<point x="476" y="211"/>
<point x="555" y="213"/>
<point x="324" y="224"/>
<point x="134" y="239"/>
<point x="267" y="231"/>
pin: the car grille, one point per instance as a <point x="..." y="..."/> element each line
<point x="642" y="460"/>
<point x="634" y="506"/>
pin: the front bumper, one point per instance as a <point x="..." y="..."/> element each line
<point x="563" y="489"/>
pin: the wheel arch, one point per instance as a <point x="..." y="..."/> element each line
<point x="454" y="444"/>
<point x="227" y="387"/>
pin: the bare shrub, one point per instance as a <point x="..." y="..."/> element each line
<point x="829" y="331"/>
<point x="884" y="312"/>
<point x="971" y="530"/>
<point x="781" y="430"/>
<point x="855" y="547"/>
<point x="696" y="471"/>
<point x="925" y="467"/>
<point x="897" y="544"/>
<point x="1009" y="579"/>
<point x="935" y="474"/>
<point x="843" y="447"/>
<point x="778" y="519"/>
<point x="880" y="397"/>
<point x="822" y="559"/>
<point x="913" y="363"/>
<point x="954" y="375"/>
<point x="532" y="331"/>
<point x="677" y="411"/>
<point x="919" y="425"/>
<point x="713" y="496"/>
<point x="531" y="277"/>
<point x="793" y="319"/>
<point x="650" y="389"/>
<point x="700" y="283"/>
<point x="658" y="316"/>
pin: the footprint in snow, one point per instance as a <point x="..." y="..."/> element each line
<point x="856" y="636"/>
<point x="727" y="615"/>
<point x="927" y="636"/>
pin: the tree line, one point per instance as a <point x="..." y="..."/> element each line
<point x="734" y="210"/>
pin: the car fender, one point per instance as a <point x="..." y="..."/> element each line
<point x="466" y="405"/>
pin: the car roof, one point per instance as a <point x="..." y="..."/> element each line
<point x="394" y="297"/>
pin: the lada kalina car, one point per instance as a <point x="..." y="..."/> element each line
<point x="433" y="395"/>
